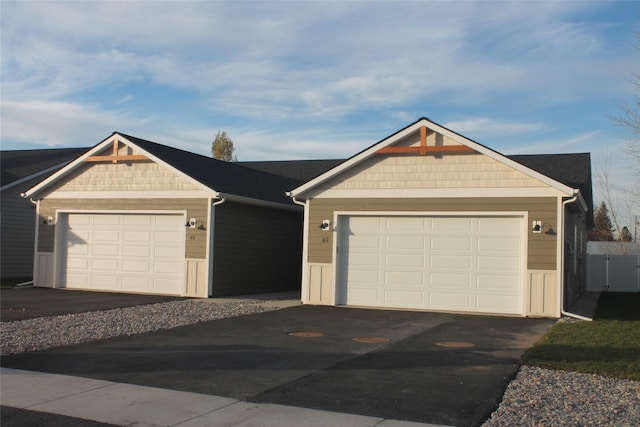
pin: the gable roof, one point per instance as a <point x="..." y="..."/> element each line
<point x="222" y="179"/>
<point x="414" y="127"/>
<point x="301" y="170"/>
<point x="17" y="166"/>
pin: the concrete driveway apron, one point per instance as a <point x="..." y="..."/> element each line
<point x="428" y="367"/>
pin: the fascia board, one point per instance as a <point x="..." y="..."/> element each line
<point x="101" y="146"/>
<point x="297" y="192"/>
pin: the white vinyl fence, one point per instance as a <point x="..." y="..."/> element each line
<point x="613" y="267"/>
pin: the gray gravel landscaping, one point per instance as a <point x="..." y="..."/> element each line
<point x="536" y="397"/>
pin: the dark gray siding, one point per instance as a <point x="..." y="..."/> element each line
<point x="256" y="249"/>
<point x="17" y="222"/>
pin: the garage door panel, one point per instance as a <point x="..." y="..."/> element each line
<point x="509" y="263"/>
<point x="451" y="225"/>
<point x="135" y="283"/>
<point x="451" y="243"/>
<point x="497" y="282"/>
<point x="404" y="225"/>
<point x="365" y="241"/>
<point x="404" y="260"/>
<point x="106" y="250"/>
<point x="457" y="263"/>
<point x="136" y="236"/>
<point x="405" y="242"/>
<point x="404" y="279"/>
<point x="364" y="259"/>
<point x="500" y="245"/>
<point x="129" y="266"/>
<point x="451" y="262"/>
<point x="450" y="300"/>
<point x="125" y="252"/>
<point x="448" y="280"/>
<point x="136" y="251"/>
<point x="403" y="298"/>
<point x="102" y="281"/>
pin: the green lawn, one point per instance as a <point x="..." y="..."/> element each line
<point x="610" y="345"/>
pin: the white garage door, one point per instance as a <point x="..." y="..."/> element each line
<point x="470" y="264"/>
<point x="124" y="252"/>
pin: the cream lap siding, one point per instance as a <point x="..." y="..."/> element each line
<point x="135" y="176"/>
<point x="541" y="248"/>
<point x="196" y="238"/>
<point x="445" y="171"/>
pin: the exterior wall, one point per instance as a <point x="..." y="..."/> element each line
<point x="135" y="176"/>
<point x="542" y="293"/>
<point x="575" y="255"/>
<point x="450" y="171"/>
<point x="17" y="221"/>
<point x="255" y="249"/>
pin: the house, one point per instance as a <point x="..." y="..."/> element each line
<point x="429" y="219"/>
<point x="20" y="169"/>
<point x="131" y="215"/>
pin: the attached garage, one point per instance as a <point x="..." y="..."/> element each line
<point x="428" y="219"/>
<point x="462" y="263"/>
<point x="139" y="252"/>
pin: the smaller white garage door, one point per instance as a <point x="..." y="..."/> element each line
<point x="459" y="263"/>
<point x="124" y="252"/>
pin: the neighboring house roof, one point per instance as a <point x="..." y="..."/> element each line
<point x="414" y="127"/>
<point x="302" y="170"/>
<point x="217" y="176"/>
<point x="17" y="166"/>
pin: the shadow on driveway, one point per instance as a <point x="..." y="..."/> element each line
<point x="438" y="368"/>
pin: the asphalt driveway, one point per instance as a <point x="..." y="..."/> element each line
<point x="32" y="302"/>
<point x="430" y="367"/>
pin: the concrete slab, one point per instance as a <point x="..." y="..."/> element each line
<point x="244" y="414"/>
<point x="25" y="389"/>
<point x="128" y="404"/>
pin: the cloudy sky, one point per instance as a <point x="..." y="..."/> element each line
<point x="308" y="80"/>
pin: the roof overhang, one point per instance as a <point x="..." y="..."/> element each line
<point x="304" y="190"/>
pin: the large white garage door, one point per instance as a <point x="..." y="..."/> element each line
<point x="472" y="264"/>
<point x="124" y="252"/>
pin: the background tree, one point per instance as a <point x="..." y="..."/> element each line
<point x="222" y="148"/>
<point x="629" y="120"/>
<point x="625" y="235"/>
<point x="603" y="229"/>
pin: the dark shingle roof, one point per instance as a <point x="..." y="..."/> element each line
<point x="302" y="170"/>
<point x="19" y="164"/>
<point x="225" y="177"/>
<point x="573" y="170"/>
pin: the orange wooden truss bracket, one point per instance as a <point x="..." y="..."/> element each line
<point x="424" y="149"/>
<point x="115" y="157"/>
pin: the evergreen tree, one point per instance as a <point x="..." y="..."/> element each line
<point x="222" y="148"/>
<point x="603" y="228"/>
<point x="625" y="235"/>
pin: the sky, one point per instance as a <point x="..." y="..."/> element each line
<point x="317" y="80"/>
